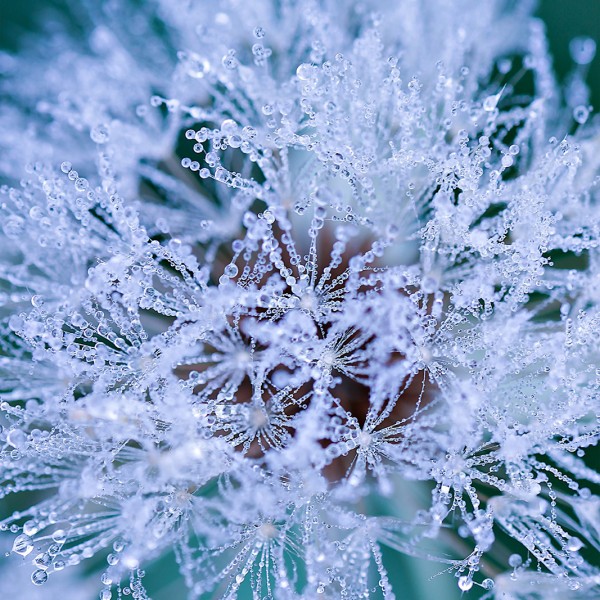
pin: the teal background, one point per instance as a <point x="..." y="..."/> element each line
<point x="565" y="19"/>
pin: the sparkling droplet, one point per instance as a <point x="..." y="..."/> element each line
<point x="465" y="583"/>
<point x="487" y="584"/>
<point x="43" y="561"/>
<point x="39" y="577"/>
<point x="17" y="439"/>
<point x="305" y="72"/>
<point x="59" y="536"/>
<point x="231" y="270"/>
<point x="37" y="301"/>
<point x="30" y="528"/>
<point x="22" y="545"/>
<point x="490" y="103"/>
<point x="574" y="544"/>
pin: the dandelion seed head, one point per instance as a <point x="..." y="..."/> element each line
<point x="283" y="276"/>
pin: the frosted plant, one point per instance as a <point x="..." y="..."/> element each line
<point x="291" y="289"/>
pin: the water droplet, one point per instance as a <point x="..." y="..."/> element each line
<point x="99" y="134"/>
<point x="39" y="577"/>
<point x="17" y="439"/>
<point x="43" y="561"/>
<point x="22" y="545"/>
<point x="229" y="61"/>
<point x="37" y="301"/>
<point x="30" y="528"/>
<point x="304" y="72"/>
<point x="59" y="536"/>
<point x="231" y="270"/>
<point x="574" y="544"/>
<point x="583" y="50"/>
<point x="487" y="584"/>
<point x="507" y="160"/>
<point x="581" y="114"/>
<point x="229" y="126"/>
<point x="465" y="583"/>
<point x="514" y="560"/>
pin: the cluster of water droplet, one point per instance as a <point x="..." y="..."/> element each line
<point x="301" y="269"/>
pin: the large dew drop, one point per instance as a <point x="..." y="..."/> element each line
<point x="39" y="577"/>
<point x="22" y="545"/>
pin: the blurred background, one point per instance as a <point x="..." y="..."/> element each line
<point x="419" y="581"/>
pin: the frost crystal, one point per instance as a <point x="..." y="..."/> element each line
<point x="291" y="288"/>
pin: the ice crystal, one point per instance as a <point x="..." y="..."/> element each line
<point x="286" y="286"/>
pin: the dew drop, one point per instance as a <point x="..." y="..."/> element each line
<point x="99" y="134"/>
<point x="59" y="565"/>
<point x="59" y="536"/>
<point x="39" y="577"/>
<point x="487" y="584"/>
<point x="514" y="560"/>
<point x="304" y="72"/>
<point x="581" y="114"/>
<point x="465" y="583"/>
<point x="17" y="439"/>
<point x="30" y="528"/>
<point x="13" y="226"/>
<point x="43" y="561"/>
<point x="574" y="544"/>
<point x="231" y="270"/>
<point x="583" y="50"/>
<point x="229" y="61"/>
<point x="37" y="301"/>
<point x="22" y="545"/>
<point x="490" y="103"/>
